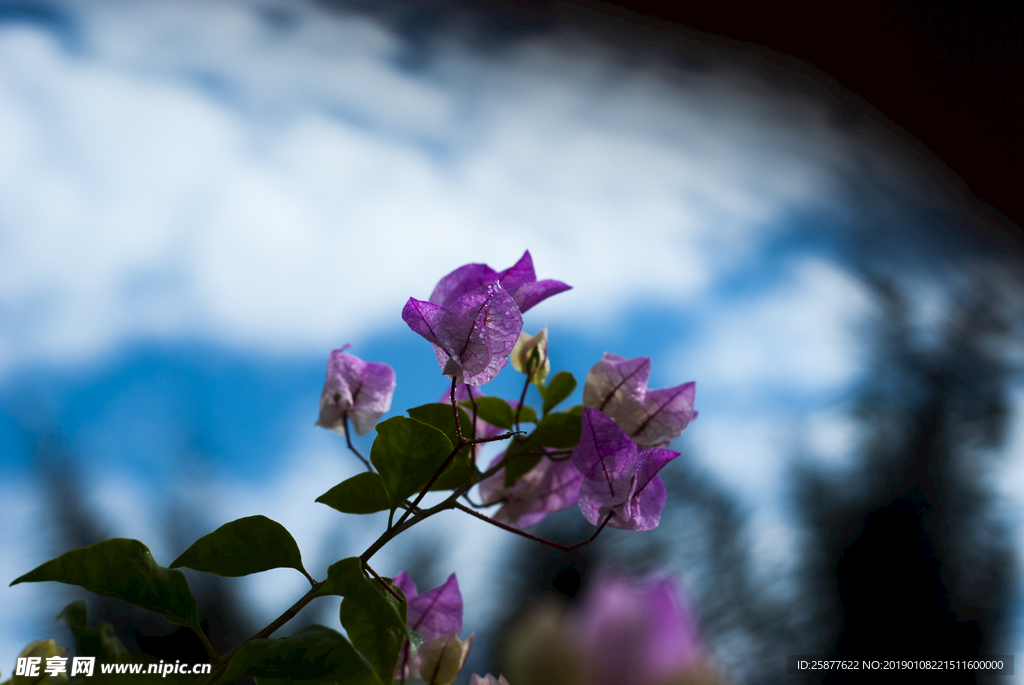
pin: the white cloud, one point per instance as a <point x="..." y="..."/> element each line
<point x="315" y="186"/>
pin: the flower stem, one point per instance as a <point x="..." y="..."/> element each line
<point x="531" y="536"/>
<point x="348" y="439"/>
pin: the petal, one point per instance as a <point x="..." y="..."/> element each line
<point x="666" y="413"/>
<point x="459" y="282"/>
<point x="649" y="463"/>
<point x="518" y="274"/>
<point x="673" y="642"/>
<point x="548" y="487"/>
<point x="478" y="331"/>
<point x="604" y="453"/>
<point x="336" y="396"/>
<point x="372" y="385"/>
<point x="529" y="295"/>
<point x="645" y="508"/>
<point x="423" y="317"/>
<point x="616" y="386"/>
<point x="404" y="582"/>
<point x="439" y="661"/>
<point x="437" y="612"/>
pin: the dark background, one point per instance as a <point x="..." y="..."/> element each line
<point x="946" y="76"/>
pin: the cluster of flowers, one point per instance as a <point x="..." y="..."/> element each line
<point x="474" y="321"/>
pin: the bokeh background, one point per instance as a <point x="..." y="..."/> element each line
<point x="199" y="200"/>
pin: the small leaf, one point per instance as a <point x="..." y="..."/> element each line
<point x="248" y="545"/>
<point x="557" y="389"/>
<point x="576" y="410"/>
<point x="527" y="414"/>
<point x="407" y="453"/>
<point x="373" y="618"/>
<point x="315" y="653"/>
<point x="440" y="416"/>
<point x="560" y="430"/>
<point x="363" y="493"/>
<point x="100" y="642"/>
<point x="123" y="569"/>
<point x="494" y="411"/>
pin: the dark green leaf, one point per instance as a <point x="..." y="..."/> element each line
<point x="361" y="494"/>
<point x="494" y="411"/>
<point x="527" y="414"/>
<point x="576" y="410"/>
<point x="248" y="545"/>
<point x="314" y="653"/>
<point x="521" y="456"/>
<point x="100" y="642"/>
<point x="407" y="453"/>
<point x="460" y="472"/>
<point x="440" y="416"/>
<point x="374" y="618"/>
<point x="557" y="389"/>
<point x="560" y="430"/>
<point x="123" y="569"/>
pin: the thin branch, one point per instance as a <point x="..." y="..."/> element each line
<point x="348" y="439"/>
<point x="522" y="399"/>
<point x="382" y="582"/>
<point x="472" y="400"/>
<point x="455" y="411"/>
<point x="531" y="536"/>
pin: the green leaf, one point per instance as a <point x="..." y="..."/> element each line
<point x="315" y="653"/>
<point x="248" y="545"/>
<point x="557" y="389"/>
<point x="361" y="494"/>
<point x="527" y="414"/>
<point x="440" y="416"/>
<point x="575" y="410"/>
<point x="100" y="642"/>
<point x="521" y="456"/>
<point x="560" y="430"/>
<point x="374" y="619"/>
<point x="407" y="453"/>
<point x="123" y="569"/>
<point x="494" y="411"/>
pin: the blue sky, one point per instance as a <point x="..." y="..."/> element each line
<point x="198" y="202"/>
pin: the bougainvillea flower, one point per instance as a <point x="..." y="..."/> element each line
<point x="617" y="477"/>
<point x="618" y="387"/>
<point x="474" y="316"/>
<point x="634" y="633"/>
<point x="548" y="487"/>
<point x="530" y="356"/>
<point x="472" y="335"/>
<point x="434" y="613"/>
<point x="520" y="280"/>
<point x="487" y="680"/>
<point x="437" y="616"/>
<point x="355" y="389"/>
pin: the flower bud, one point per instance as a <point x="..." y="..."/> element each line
<point x="36" y="672"/>
<point x="441" y="660"/>
<point x="530" y="356"/>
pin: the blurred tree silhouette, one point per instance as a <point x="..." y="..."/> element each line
<point x="906" y="557"/>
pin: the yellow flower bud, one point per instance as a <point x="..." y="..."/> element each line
<point x="530" y="356"/>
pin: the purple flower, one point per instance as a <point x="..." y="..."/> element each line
<point x="618" y="387"/>
<point x="634" y="633"/>
<point x="474" y="317"/>
<point x="487" y="680"/>
<point x="355" y="389"/>
<point x="437" y="616"/>
<point x="435" y="613"/>
<point x="617" y="477"/>
<point x="548" y="487"/>
<point x="520" y="280"/>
